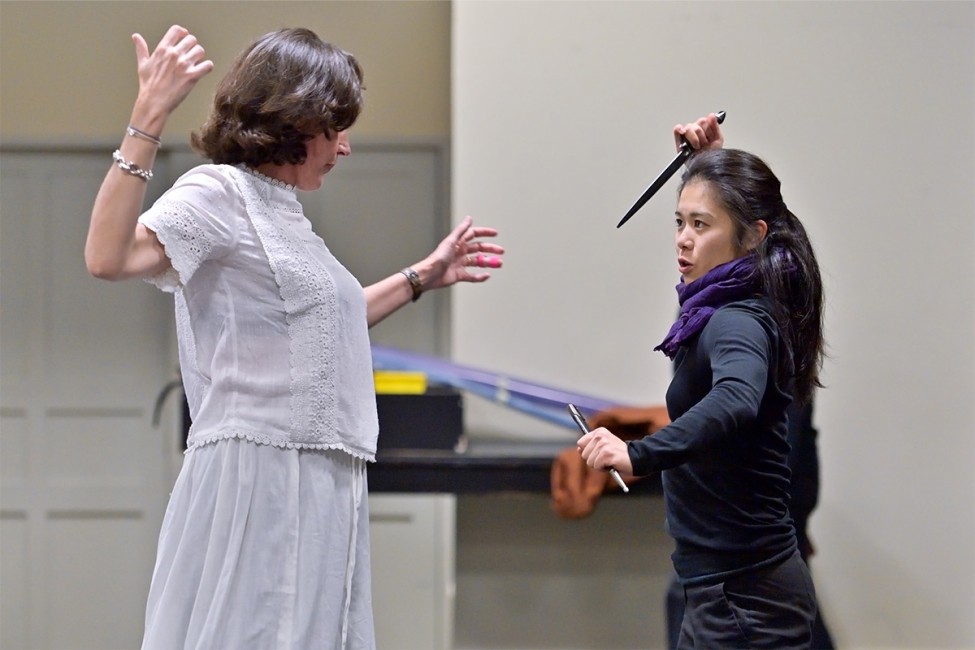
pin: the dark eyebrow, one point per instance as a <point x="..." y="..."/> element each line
<point x="695" y="213"/>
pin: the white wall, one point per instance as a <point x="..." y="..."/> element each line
<point x="561" y="116"/>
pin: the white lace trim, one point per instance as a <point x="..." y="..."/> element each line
<point x="185" y="243"/>
<point x="311" y="313"/>
<point x="272" y="441"/>
<point x="267" y="179"/>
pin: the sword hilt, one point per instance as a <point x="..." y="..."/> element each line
<point x="685" y="146"/>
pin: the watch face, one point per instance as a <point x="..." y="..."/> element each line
<point x="415" y="284"/>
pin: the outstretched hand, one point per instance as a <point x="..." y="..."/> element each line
<point x="461" y="251"/>
<point x="169" y="72"/>
<point x="704" y="133"/>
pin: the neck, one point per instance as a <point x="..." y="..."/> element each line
<point x="287" y="174"/>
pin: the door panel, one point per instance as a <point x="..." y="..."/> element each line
<point x="84" y="474"/>
<point x="83" y="489"/>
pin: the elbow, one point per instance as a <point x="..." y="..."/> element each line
<point x="101" y="268"/>
<point x="103" y="272"/>
<point x="741" y="402"/>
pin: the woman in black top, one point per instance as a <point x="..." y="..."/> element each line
<point x="747" y="343"/>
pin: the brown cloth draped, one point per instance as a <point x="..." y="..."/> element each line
<point x="576" y="487"/>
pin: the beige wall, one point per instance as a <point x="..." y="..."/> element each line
<point x="67" y="69"/>
<point x="866" y="111"/>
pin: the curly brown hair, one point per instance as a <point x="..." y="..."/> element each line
<point x="284" y="89"/>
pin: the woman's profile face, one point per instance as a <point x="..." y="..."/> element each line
<point x="322" y="156"/>
<point x="706" y="235"/>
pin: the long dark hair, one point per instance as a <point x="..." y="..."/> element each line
<point x="283" y="89"/>
<point x="745" y="186"/>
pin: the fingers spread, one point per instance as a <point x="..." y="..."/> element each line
<point x="187" y="43"/>
<point x="141" y="48"/>
<point x="483" y="261"/>
<point x="484" y="231"/>
<point x="173" y="35"/>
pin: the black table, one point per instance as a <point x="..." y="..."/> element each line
<point x="484" y="467"/>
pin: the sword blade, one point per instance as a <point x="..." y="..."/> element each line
<point x="659" y="182"/>
<point x="682" y="155"/>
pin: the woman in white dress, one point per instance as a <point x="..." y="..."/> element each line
<point x="265" y="540"/>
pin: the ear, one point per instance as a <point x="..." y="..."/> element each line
<point x="756" y="233"/>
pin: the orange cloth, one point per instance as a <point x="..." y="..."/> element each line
<point x="576" y="487"/>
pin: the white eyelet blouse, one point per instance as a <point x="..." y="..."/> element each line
<point x="273" y="338"/>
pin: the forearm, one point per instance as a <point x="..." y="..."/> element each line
<point x="112" y="250"/>
<point x="723" y="413"/>
<point x="385" y="297"/>
<point x="117" y="247"/>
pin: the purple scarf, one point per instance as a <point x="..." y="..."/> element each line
<point x="731" y="281"/>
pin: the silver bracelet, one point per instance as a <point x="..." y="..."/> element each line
<point x="130" y="167"/>
<point x="139" y="133"/>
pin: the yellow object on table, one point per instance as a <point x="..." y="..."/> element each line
<point x="400" y="382"/>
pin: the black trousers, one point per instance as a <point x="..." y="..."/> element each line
<point x="773" y="607"/>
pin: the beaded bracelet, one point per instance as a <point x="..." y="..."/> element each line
<point x="130" y="167"/>
<point x="139" y="133"/>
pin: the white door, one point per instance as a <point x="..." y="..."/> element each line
<point x="84" y="474"/>
<point x="84" y="480"/>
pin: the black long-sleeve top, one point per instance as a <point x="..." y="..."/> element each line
<point x="724" y="456"/>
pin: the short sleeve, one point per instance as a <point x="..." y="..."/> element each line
<point x="196" y="220"/>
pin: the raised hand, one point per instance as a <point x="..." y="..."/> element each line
<point x="169" y="72"/>
<point x="703" y="133"/>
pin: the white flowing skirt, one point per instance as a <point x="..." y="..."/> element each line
<point x="263" y="547"/>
